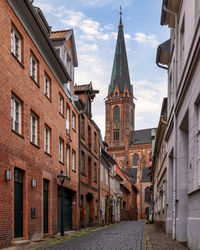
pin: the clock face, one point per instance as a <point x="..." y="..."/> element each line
<point x="116" y="125"/>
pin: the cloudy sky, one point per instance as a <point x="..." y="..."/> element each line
<point x="95" y="24"/>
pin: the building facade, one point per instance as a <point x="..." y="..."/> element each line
<point x="159" y="171"/>
<point x="37" y="138"/>
<point x="131" y="148"/>
<point x="89" y="158"/>
<point x="183" y="142"/>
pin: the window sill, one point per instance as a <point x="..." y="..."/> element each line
<point x="17" y="134"/>
<point x="61" y="162"/>
<point x="36" y="83"/>
<point x="17" y="60"/>
<point x="48" y="98"/>
<point x="47" y="154"/>
<point x="35" y="145"/>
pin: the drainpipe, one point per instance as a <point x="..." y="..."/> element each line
<point x="175" y="125"/>
<point x="79" y="172"/>
<point x="99" y="178"/>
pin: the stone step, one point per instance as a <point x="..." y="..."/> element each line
<point x="20" y="243"/>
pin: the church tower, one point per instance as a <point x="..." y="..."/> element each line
<point x="119" y="102"/>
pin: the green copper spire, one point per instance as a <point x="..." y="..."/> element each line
<point x="120" y="72"/>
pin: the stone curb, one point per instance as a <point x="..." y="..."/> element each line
<point x="147" y="238"/>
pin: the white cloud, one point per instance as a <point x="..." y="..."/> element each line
<point x="72" y="18"/>
<point x="142" y="38"/>
<point x="46" y="7"/>
<point x="88" y="47"/>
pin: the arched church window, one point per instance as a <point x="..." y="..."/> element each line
<point x="147" y="194"/>
<point x="116" y="114"/>
<point x="116" y="135"/>
<point x="126" y="94"/>
<point x="135" y="159"/>
<point x="116" y="94"/>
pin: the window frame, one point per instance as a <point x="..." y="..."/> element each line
<point x="73" y="121"/>
<point x="95" y="172"/>
<point x="82" y="163"/>
<point x="47" y="79"/>
<point x="61" y="104"/>
<point x="34" y="75"/>
<point x="34" y="127"/>
<point x="73" y="160"/>
<point x="61" y="150"/>
<point x="67" y="119"/>
<point x="47" y="146"/>
<point x="14" y="100"/>
<point x="67" y="160"/>
<point x="16" y="34"/>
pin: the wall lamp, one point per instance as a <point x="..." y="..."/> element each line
<point x="8" y="174"/>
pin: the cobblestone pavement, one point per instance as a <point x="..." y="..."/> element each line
<point x="126" y="235"/>
<point x="161" y="241"/>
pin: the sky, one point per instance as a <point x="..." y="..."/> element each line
<point x="95" y="25"/>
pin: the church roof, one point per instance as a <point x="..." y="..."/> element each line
<point x="132" y="172"/>
<point x="120" y="72"/>
<point x="146" y="174"/>
<point x="140" y="136"/>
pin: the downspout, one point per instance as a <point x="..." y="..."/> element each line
<point x="99" y="178"/>
<point x="79" y="172"/>
<point x="175" y="126"/>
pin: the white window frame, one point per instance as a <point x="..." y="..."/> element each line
<point x="61" y="143"/>
<point x="47" y="134"/>
<point x="34" y="67"/>
<point x="16" y="44"/>
<point x="16" y="114"/>
<point x="73" y="160"/>
<point x="67" y="118"/>
<point x="47" y="85"/>
<point x="67" y="159"/>
<point x="34" y="129"/>
<point x="73" y="121"/>
<point x="61" y="101"/>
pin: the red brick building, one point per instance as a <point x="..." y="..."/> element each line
<point x="39" y="125"/>
<point x="132" y="148"/>
<point x="89" y="157"/>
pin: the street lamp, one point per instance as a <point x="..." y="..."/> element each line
<point x="61" y="177"/>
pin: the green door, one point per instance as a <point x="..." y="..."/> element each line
<point x="67" y="209"/>
<point x="18" y="203"/>
<point x="87" y="212"/>
<point x="45" y="206"/>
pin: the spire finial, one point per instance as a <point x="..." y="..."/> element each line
<point x="120" y="10"/>
<point x="120" y="21"/>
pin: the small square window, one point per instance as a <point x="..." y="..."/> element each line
<point x="16" y="44"/>
<point x="34" y="68"/>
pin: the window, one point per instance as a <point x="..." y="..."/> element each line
<point x="58" y="51"/>
<point x="16" y="114"/>
<point x="67" y="118"/>
<point x="47" y="85"/>
<point x="34" y="129"/>
<point x="82" y="125"/>
<point x="67" y="159"/>
<point x="47" y="133"/>
<point x="116" y="94"/>
<point x="61" y="150"/>
<point x="89" y="136"/>
<point x="135" y="159"/>
<point x="73" y="121"/>
<point x="95" y="141"/>
<point x="101" y="169"/>
<point x="126" y="94"/>
<point x="116" y="135"/>
<point x="16" y="44"/>
<point x="61" y="100"/>
<point x="73" y="160"/>
<point x="95" y="172"/>
<point x="116" y="114"/>
<point x="106" y="176"/>
<point x="34" y="68"/>
<point x="147" y="194"/>
<point x="82" y="163"/>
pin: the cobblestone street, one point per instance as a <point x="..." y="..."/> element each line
<point x="126" y="235"/>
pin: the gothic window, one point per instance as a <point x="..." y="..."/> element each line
<point x="116" y="135"/>
<point x="147" y="194"/>
<point x="116" y="94"/>
<point x="126" y="94"/>
<point x="135" y="159"/>
<point x="116" y="114"/>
